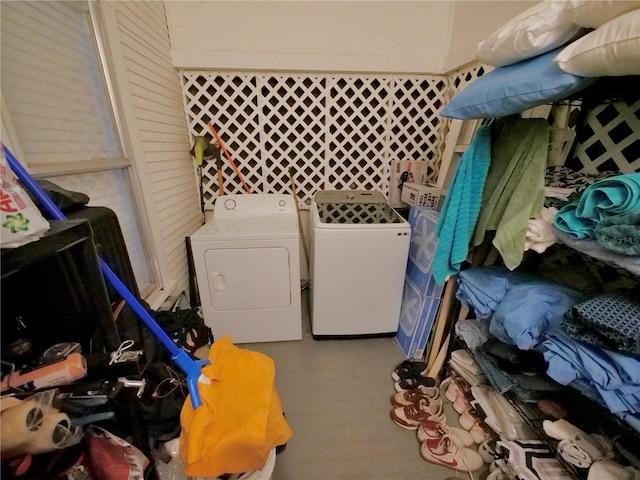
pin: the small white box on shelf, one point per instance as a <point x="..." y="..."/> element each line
<point x="414" y="170"/>
<point x="426" y="195"/>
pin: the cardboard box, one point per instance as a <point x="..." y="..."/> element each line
<point x="421" y="294"/>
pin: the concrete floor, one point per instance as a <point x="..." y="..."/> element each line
<point x="336" y="397"/>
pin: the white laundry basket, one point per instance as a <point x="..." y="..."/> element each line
<point x="263" y="474"/>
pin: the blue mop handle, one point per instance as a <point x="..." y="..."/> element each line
<point x="192" y="368"/>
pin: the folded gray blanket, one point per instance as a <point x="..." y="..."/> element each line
<point x="620" y="233"/>
<point x="631" y="263"/>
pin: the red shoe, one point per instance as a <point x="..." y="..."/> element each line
<point x="411" y="416"/>
<point x="432" y="430"/>
<point x="443" y="451"/>
<point x="402" y="399"/>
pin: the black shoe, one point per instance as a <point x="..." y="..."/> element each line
<point x="407" y="367"/>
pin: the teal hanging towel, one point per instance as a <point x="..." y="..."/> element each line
<point x="459" y="213"/>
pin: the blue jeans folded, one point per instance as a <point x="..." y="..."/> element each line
<point x="526" y="388"/>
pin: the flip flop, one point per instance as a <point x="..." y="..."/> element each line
<point x="413" y="380"/>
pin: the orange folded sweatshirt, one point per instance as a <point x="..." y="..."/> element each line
<point x="241" y="418"/>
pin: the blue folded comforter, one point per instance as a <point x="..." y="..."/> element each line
<point x="531" y="309"/>
<point x="520" y="306"/>
<point x="610" y="377"/>
<point x="483" y="288"/>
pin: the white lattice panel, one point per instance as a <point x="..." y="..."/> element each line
<point x="293" y="132"/>
<point x="357" y="134"/>
<point x="417" y="128"/>
<point x="464" y="76"/>
<point x="334" y="131"/>
<point x="609" y="140"/>
<point x="230" y="102"/>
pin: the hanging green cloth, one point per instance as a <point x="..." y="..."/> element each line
<point x="514" y="188"/>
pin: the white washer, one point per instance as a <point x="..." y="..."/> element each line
<point x="359" y="250"/>
<point x="247" y="264"/>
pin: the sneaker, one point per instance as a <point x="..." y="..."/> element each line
<point x="411" y="416"/>
<point x="452" y="391"/>
<point x="487" y="451"/>
<point x="443" y="451"/>
<point x="408" y="366"/>
<point x="402" y="399"/>
<point x="461" y="404"/>
<point x="479" y="433"/>
<point x="431" y="430"/>
<point x="468" y="418"/>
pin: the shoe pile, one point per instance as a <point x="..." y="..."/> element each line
<point x="418" y="405"/>
<point x="418" y="399"/>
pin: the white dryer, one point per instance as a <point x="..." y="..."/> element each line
<point x="359" y="250"/>
<point x="247" y="262"/>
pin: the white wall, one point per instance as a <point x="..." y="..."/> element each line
<point x="472" y="22"/>
<point x="335" y="36"/>
<point x="155" y="120"/>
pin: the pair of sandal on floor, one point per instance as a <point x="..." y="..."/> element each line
<point x="410" y="374"/>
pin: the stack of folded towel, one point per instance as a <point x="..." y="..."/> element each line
<point x="612" y="204"/>
<point x="540" y="234"/>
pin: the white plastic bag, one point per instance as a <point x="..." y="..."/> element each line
<point x="21" y="222"/>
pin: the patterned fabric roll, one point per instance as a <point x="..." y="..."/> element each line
<point x="608" y="321"/>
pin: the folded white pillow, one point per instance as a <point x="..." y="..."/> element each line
<point x="594" y="13"/>
<point x="613" y="49"/>
<point x="537" y="30"/>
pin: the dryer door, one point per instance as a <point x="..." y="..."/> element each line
<point x="248" y="278"/>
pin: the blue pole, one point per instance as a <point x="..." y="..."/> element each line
<point x="192" y="368"/>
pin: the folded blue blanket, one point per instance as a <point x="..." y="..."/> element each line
<point x="619" y="195"/>
<point x="483" y="288"/>
<point x="612" y="378"/>
<point x="529" y="310"/>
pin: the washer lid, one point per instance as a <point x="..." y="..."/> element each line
<point x="348" y="196"/>
<point x="265" y="227"/>
<point x="358" y="213"/>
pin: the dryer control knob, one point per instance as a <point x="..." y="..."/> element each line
<point x="230" y="204"/>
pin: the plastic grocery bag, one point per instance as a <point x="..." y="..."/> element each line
<point x="112" y="458"/>
<point x="21" y="222"/>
